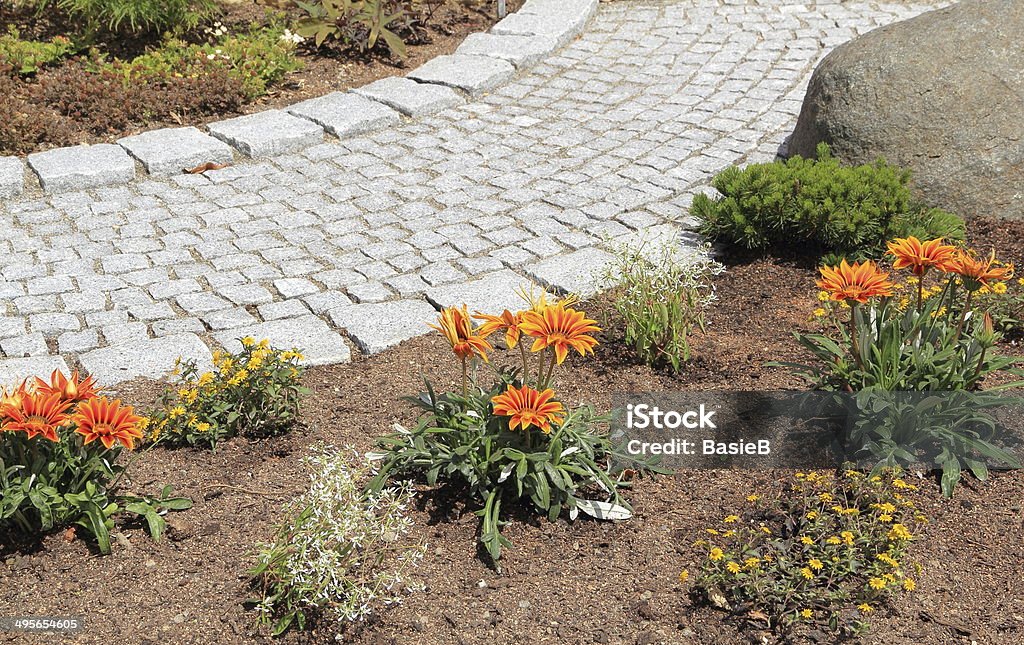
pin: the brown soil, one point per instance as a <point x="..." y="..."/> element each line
<point x="322" y="73"/>
<point x="580" y="582"/>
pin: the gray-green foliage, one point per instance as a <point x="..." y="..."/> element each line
<point x="846" y="210"/>
<point x="662" y="294"/>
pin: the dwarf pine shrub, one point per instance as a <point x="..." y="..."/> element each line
<point x="844" y="210"/>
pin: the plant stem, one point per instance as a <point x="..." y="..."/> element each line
<point x="522" y="354"/>
<point x="465" y="376"/>
<point x="855" y="342"/>
<point x="920" y="291"/>
<point x="963" y="316"/>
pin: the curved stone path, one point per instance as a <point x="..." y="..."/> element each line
<point x="603" y="142"/>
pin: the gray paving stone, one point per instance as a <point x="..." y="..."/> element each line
<point x="365" y="292"/>
<point x="33" y="344"/>
<point x="15" y="370"/>
<point x="268" y="133"/>
<point x="409" y="97"/>
<point x="78" y="341"/>
<point x="82" y="167"/>
<point x="319" y="344"/>
<point x="50" y="324"/>
<point x="170" y="150"/>
<point x="12" y="177"/>
<point x="345" y="114"/>
<point x="490" y="294"/>
<point x="578" y="272"/>
<point x="125" y="332"/>
<point x="376" y="327"/>
<point x="228" y="318"/>
<point x="295" y="287"/>
<point x="153" y="358"/>
<point x="521" y="51"/>
<point x="11" y="326"/>
<point x="246" y="294"/>
<point x="472" y="74"/>
<point x="283" y="309"/>
<point x="324" y="301"/>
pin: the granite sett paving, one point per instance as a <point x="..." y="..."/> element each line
<point x="335" y="244"/>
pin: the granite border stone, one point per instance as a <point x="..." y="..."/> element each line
<point x="169" y="151"/>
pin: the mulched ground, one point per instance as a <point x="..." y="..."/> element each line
<point x="584" y="582"/>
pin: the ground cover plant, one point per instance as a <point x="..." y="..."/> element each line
<point x="840" y="211"/>
<point x="824" y="553"/>
<point x="511" y="441"/>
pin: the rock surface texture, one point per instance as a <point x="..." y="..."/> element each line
<point x="942" y="94"/>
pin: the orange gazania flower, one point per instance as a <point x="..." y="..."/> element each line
<point x="527" y="407"/>
<point x="103" y="419"/>
<point x="560" y="328"/>
<point x="911" y="253"/>
<point x="507" y="321"/>
<point x="858" y="282"/>
<point x="977" y="272"/>
<point x="73" y="389"/>
<point x="38" y="414"/>
<point x="454" y="323"/>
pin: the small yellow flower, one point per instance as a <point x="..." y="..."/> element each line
<point x="806" y="540"/>
<point x="733" y="567"/>
<point x="812" y="515"/>
<point x="909" y="584"/>
<point x="899" y="532"/>
<point x="816" y="564"/>
<point x="823" y="296"/>
<point x="833" y="540"/>
<point x="807" y="573"/>
<point x="716" y="554"/>
<point x="729" y="533"/>
<point x="177" y="411"/>
<point x="999" y="287"/>
<point x="712" y="531"/>
<point x="766" y="530"/>
<point x="819" y="313"/>
<point x="825" y="497"/>
<point x="888" y="559"/>
<point x="684" y="575"/>
<point x="753" y="498"/>
<point x="205" y="379"/>
<point x="248" y="341"/>
<point x="865" y="608"/>
<point x="752" y="563"/>
<point x="876" y="583"/>
<point x="885" y="518"/>
<point x="847" y="537"/>
<point x="264" y="344"/>
<point x="806" y="613"/>
<point x="203" y="427"/>
<point x="731" y="519"/>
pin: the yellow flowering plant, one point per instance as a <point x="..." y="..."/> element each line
<point x="828" y="550"/>
<point x="511" y="441"/>
<point x="254" y="392"/>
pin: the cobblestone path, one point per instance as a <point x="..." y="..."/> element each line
<point x="364" y="237"/>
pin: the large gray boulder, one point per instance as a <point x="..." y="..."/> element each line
<point x="942" y="94"/>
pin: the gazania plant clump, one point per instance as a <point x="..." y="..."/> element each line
<point x="827" y="553"/>
<point x="59" y="444"/>
<point x="913" y="356"/>
<point x="511" y="440"/>
<point x="254" y="392"/>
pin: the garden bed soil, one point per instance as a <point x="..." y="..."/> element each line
<point x="322" y="73"/>
<point x="581" y="582"/>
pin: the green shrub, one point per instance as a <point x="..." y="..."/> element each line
<point x="662" y="296"/>
<point x="125" y="16"/>
<point x="28" y="56"/>
<point x="848" y="211"/>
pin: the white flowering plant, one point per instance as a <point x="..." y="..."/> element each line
<point x="342" y="553"/>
